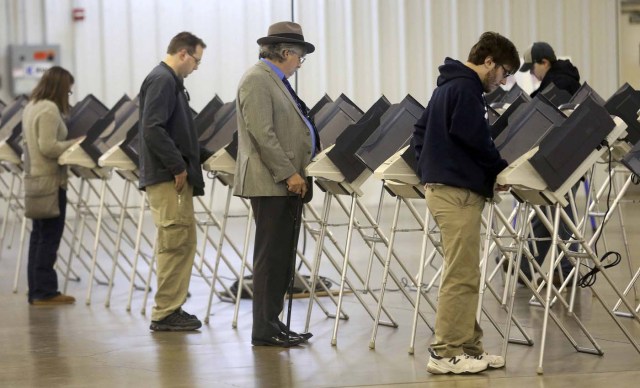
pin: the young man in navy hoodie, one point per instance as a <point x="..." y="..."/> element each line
<point x="458" y="164"/>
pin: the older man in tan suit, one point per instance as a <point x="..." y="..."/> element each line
<point x="276" y="141"/>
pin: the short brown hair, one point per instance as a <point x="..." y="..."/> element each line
<point x="501" y="49"/>
<point x="54" y="86"/>
<point x="185" y="40"/>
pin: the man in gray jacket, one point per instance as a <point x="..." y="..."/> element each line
<point x="276" y="141"/>
<point x="171" y="174"/>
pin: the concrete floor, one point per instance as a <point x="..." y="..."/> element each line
<point x="94" y="346"/>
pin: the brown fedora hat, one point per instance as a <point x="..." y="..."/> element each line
<point x="286" y="32"/>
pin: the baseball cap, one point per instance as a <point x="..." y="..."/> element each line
<point x="537" y="52"/>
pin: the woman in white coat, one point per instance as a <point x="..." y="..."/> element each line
<point x="45" y="133"/>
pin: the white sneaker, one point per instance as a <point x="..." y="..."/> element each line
<point x="494" y="360"/>
<point x="463" y="363"/>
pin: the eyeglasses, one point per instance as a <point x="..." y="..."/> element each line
<point x="506" y="73"/>
<point x="301" y="58"/>
<point x="195" y="59"/>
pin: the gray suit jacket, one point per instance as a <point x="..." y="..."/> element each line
<point x="273" y="140"/>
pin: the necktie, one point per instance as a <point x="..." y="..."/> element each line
<point x="305" y="112"/>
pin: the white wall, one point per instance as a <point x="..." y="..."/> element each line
<point x="365" y="48"/>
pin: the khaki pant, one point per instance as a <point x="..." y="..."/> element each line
<point x="458" y="214"/>
<point x="175" y="245"/>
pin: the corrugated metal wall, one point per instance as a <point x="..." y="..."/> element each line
<point x="365" y="48"/>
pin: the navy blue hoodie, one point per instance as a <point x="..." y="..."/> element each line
<point x="452" y="140"/>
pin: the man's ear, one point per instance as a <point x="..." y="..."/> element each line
<point x="489" y="62"/>
<point x="182" y="54"/>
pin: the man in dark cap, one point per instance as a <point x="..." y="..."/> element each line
<point x="541" y="62"/>
<point x="276" y="141"/>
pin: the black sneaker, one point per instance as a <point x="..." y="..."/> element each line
<point x="186" y="314"/>
<point x="178" y="320"/>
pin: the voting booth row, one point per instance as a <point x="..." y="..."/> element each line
<point x="552" y="142"/>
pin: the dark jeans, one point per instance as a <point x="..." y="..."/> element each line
<point x="273" y="263"/>
<point x="540" y="231"/>
<point x="43" y="251"/>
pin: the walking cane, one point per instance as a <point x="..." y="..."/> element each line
<point x="294" y="252"/>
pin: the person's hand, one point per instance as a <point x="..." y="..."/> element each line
<point x="180" y="179"/>
<point x="297" y="184"/>
<point x="502" y="187"/>
<point x="79" y="139"/>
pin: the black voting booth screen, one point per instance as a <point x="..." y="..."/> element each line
<point x="499" y="124"/>
<point x="343" y="154"/>
<point x="224" y="126"/>
<point x="567" y="145"/>
<point x="586" y="91"/>
<point x="324" y="100"/>
<point x="625" y="104"/>
<point x="204" y="121"/>
<point x="632" y="159"/>
<point x="508" y="98"/>
<point x="232" y="147"/>
<point x="527" y="125"/>
<point x="495" y="96"/>
<point x="512" y="94"/>
<point x="11" y="123"/>
<point x="110" y="129"/>
<point x="556" y="95"/>
<point x="393" y="133"/>
<point x="84" y="115"/>
<point x="10" y="111"/>
<point x="492" y="115"/>
<point x="333" y="117"/>
<point x="130" y="144"/>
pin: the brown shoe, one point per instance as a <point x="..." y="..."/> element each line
<point x="54" y="301"/>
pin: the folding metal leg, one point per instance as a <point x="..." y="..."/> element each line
<point x="5" y="220"/>
<point x="23" y="230"/>
<point x="483" y="263"/>
<point x="96" y="241"/>
<point x="74" y="234"/>
<point x="147" y="287"/>
<point x="505" y="303"/>
<point x="137" y="253"/>
<point x="373" y="239"/>
<point x="245" y="254"/>
<point x="387" y="269"/>
<point x="491" y="241"/>
<point x="345" y="266"/>
<point x="218" y="246"/>
<point x="221" y="257"/>
<point x="511" y="281"/>
<point x="320" y="249"/>
<point x="423" y="264"/>
<point x="206" y="226"/>
<point x="223" y="231"/>
<point x="586" y="246"/>
<point x="121" y="219"/>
